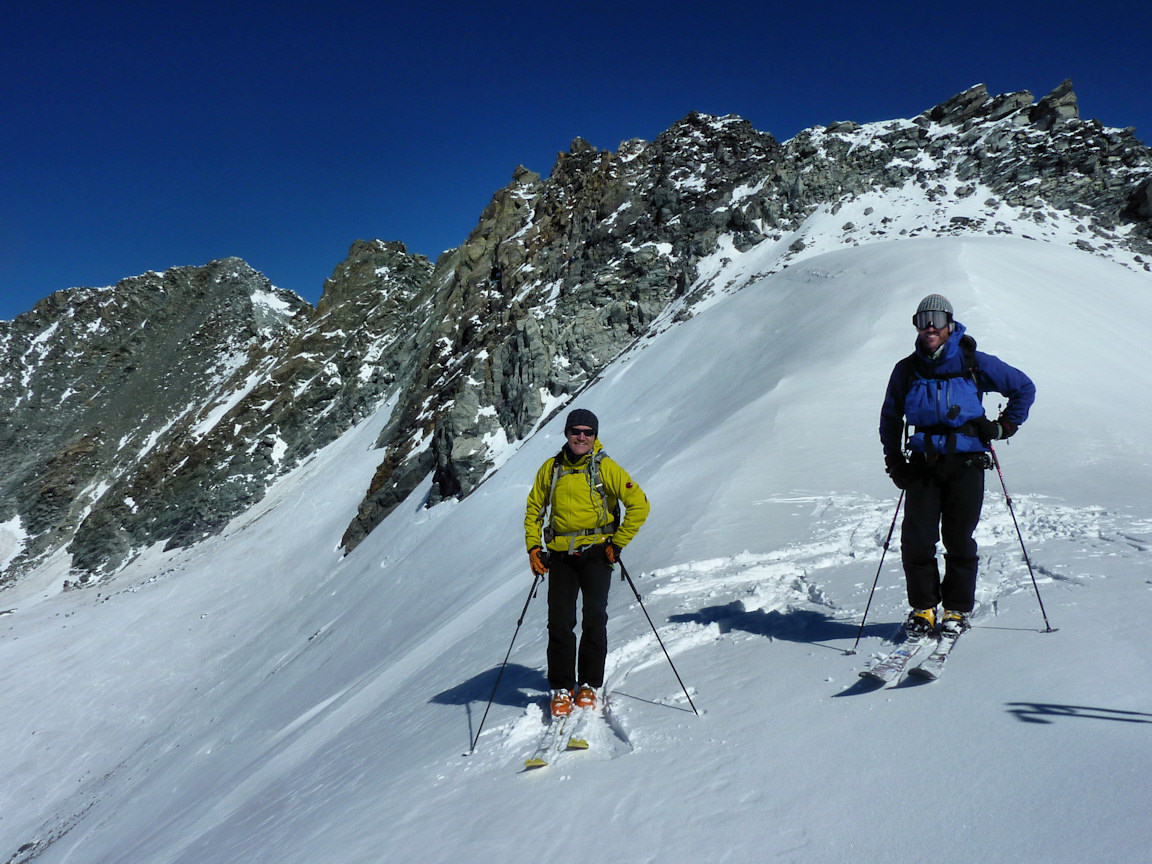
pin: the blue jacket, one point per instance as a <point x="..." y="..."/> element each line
<point x="938" y="396"/>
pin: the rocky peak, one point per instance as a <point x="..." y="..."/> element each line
<point x="974" y="105"/>
<point x="92" y="377"/>
<point x="1055" y="108"/>
<point x="370" y="265"/>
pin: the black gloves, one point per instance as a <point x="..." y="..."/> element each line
<point x="993" y="430"/>
<point x="986" y="430"/>
<point x="899" y="470"/>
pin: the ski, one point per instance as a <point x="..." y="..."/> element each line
<point x="891" y="667"/>
<point x="578" y="739"/>
<point x="563" y="734"/>
<point x="932" y="665"/>
<point x="549" y="743"/>
<point x="576" y="743"/>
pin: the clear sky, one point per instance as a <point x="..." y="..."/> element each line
<point x="139" y="137"/>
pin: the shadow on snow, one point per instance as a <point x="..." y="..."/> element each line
<point x="797" y="625"/>
<point x="1047" y="712"/>
<point x="518" y="686"/>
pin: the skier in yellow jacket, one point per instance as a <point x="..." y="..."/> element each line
<point x="580" y="490"/>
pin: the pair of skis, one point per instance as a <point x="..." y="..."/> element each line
<point x="930" y="668"/>
<point x="561" y="735"/>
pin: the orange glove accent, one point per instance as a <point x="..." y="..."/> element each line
<point x="538" y="561"/>
<point x="612" y="552"/>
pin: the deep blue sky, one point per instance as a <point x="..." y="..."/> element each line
<point x="138" y="137"/>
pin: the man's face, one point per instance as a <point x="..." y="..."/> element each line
<point x="935" y="327"/>
<point x="932" y="338"/>
<point x="580" y="439"/>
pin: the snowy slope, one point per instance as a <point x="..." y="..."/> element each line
<point x="258" y="698"/>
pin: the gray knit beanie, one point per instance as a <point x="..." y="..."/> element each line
<point x="935" y="303"/>
<point x="930" y="310"/>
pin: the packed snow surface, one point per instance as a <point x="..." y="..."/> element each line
<point x="259" y="698"/>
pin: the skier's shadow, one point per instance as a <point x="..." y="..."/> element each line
<point x="518" y="685"/>
<point x="798" y="625"/>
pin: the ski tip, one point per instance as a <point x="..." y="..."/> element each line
<point x="534" y="762"/>
<point x="577" y="744"/>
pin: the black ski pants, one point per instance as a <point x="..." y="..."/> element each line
<point x="589" y="575"/>
<point x="942" y="502"/>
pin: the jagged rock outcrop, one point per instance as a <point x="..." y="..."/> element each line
<point x="157" y="410"/>
<point x="1139" y="206"/>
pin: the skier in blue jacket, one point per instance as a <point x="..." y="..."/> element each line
<point x="940" y="464"/>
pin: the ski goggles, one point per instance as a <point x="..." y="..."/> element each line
<point x="935" y="318"/>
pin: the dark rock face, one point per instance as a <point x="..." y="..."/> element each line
<point x="97" y="383"/>
<point x="157" y="410"/>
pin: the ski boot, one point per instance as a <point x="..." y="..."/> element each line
<point x="585" y="697"/>
<point x="561" y="703"/>
<point x="920" y="623"/>
<point x="954" y="623"/>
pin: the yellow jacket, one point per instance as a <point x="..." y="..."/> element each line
<point x="577" y="507"/>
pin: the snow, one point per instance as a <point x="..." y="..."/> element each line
<point x="12" y="539"/>
<point x="230" y="400"/>
<point x="272" y="301"/>
<point x="260" y="698"/>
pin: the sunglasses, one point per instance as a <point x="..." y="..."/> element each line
<point x="581" y="433"/>
<point x="935" y="318"/>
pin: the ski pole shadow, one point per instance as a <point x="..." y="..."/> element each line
<point x="808" y="626"/>
<point x="620" y="693"/>
<point x="1048" y="712"/>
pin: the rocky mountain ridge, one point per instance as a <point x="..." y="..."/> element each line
<point x="156" y="410"/>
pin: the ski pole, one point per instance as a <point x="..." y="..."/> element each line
<point x="624" y="573"/>
<point x="876" y="581"/>
<point x="1012" y="511"/>
<point x="536" y="579"/>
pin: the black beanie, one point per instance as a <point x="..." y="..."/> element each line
<point x="582" y="417"/>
